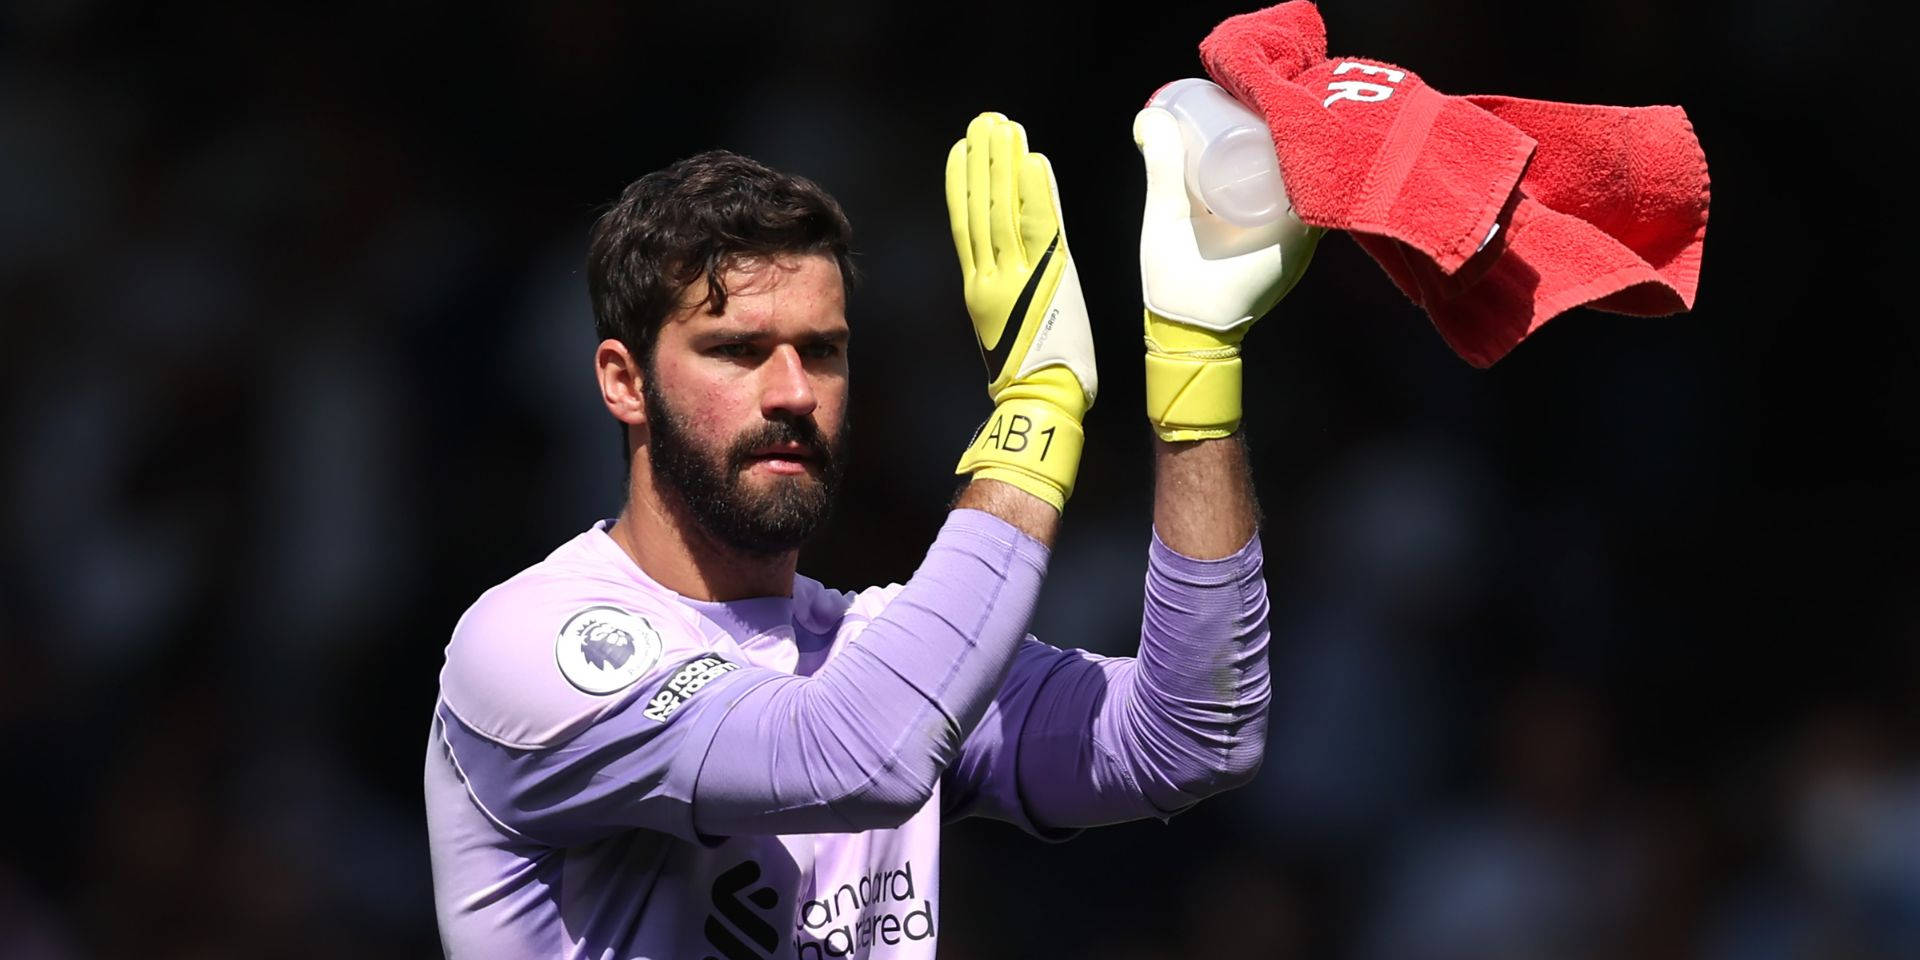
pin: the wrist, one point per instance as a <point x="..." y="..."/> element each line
<point x="1011" y="505"/>
<point x="1203" y="501"/>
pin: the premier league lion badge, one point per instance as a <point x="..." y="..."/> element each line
<point x="603" y="649"/>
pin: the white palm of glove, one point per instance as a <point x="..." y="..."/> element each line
<point x="1191" y="267"/>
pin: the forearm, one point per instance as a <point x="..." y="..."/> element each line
<point x="863" y="742"/>
<point x="1203" y="500"/>
<point x="1202" y="684"/>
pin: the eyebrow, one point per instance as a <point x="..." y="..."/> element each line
<point x="717" y="337"/>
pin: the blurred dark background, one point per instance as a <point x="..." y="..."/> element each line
<point x="1608" y="651"/>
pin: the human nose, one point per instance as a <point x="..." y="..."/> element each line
<point x="785" y="387"/>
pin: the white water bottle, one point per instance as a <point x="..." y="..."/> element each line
<point x="1231" y="166"/>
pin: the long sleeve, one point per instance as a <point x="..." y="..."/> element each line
<point x="703" y="747"/>
<point x="863" y="742"/>
<point x="1075" y="739"/>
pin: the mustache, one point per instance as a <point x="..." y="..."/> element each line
<point x="774" y="432"/>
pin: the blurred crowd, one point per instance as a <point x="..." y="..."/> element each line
<point x="1610" y="651"/>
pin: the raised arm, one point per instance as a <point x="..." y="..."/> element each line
<point x="912" y="685"/>
<point x="1076" y="739"/>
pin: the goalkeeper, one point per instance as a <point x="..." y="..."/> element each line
<point x="662" y="741"/>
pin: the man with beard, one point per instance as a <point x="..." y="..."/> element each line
<point x="661" y="741"/>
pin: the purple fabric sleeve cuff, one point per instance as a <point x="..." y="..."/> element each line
<point x="1236" y="567"/>
<point x="1203" y="648"/>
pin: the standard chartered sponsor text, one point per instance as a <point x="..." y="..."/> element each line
<point x="881" y="908"/>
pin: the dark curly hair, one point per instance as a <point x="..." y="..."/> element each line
<point x="696" y="219"/>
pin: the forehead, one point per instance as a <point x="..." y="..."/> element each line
<point x="803" y="290"/>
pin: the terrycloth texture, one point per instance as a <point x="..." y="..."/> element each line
<point x="1596" y="205"/>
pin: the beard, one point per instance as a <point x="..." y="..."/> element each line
<point x="711" y="484"/>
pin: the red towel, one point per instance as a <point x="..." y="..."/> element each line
<point x="1605" y="206"/>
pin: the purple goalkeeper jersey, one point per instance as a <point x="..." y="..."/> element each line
<point x="618" y="771"/>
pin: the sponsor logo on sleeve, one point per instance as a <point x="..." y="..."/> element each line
<point x="604" y="649"/>
<point x="685" y="682"/>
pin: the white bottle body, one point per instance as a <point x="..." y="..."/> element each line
<point x="1231" y="164"/>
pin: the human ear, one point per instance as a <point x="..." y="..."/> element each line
<point x="621" y="378"/>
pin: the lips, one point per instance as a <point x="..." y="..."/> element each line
<point x="786" y="447"/>
<point x="784" y="458"/>
<point x="783" y="451"/>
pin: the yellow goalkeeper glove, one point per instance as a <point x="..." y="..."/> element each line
<point x="1028" y="313"/>
<point x="1201" y="296"/>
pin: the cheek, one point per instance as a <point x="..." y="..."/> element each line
<point x="830" y="395"/>
<point x="704" y="403"/>
<point x="717" y="409"/>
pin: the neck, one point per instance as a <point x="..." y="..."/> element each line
<point x="670" y="547"/>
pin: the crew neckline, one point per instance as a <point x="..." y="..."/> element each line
<point x="742" y="618"/>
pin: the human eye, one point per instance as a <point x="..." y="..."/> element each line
<point x="731" y="350"/>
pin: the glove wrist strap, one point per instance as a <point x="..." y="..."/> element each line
<point x="1193" y="397"/>
<point x="1031" y="444"/>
